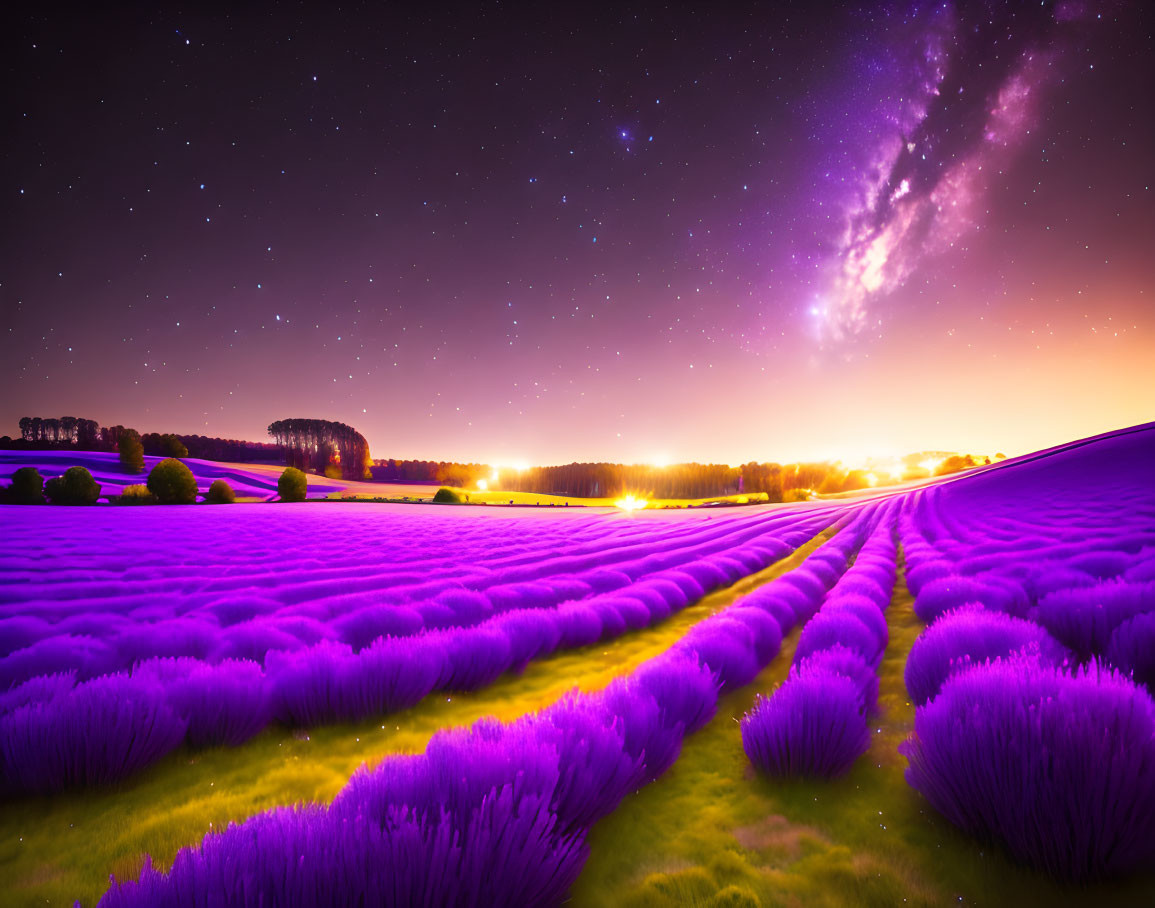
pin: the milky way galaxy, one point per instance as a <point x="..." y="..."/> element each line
<point x="982" y="71"/>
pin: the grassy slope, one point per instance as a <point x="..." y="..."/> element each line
<point x="55" y="850"/>
<point x="711" y="832"/>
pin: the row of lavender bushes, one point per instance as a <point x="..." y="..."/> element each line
<point x="54" y="735"/>
<point x="1033" y="726"/>
<point x="494" y="814"/>
<point x="98" y="628"/>
<point x="814" y="724"/>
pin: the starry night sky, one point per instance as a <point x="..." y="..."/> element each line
<point x="500" y="233"/>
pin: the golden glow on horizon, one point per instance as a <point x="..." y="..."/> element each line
<point x="482" y="485"/>
<point x="630" y="503"/>
<point x="930" y="464"/>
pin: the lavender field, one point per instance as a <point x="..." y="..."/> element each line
<point x="941" y="695"/>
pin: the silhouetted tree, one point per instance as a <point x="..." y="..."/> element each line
<point x="314" y="444"/>
<point x="110" y="437"/>
<point x="87" y="434"/>
<point x="131" y="450"/>
<point x="65" y="432"/>
<point x="167" y="445"/>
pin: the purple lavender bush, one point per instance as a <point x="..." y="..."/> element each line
<point x="1131" y="649"/>
<point x="829" y="628"/>
<point x="946" y="593"/>
<point x="967" y="636"/>
<point x="813" y="725"/>
<point x="1059" y="768"/>
<point x="1085" y="618"/>
<point x="842" y="660"/>
<point x="99" y="732"/>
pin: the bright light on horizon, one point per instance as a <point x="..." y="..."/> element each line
<point x="482" y="485"/>
<point x="630" y="503"/>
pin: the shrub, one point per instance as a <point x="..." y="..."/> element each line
<point x="328" y="682"/>
<point x="172" y="446"/>
<point x="292" y="486"/>
<point x="725" y="647"/>
<point x="685" y="691"/>
<point x="173" y="637"/>
<point x="1084" y="618"/>
<point x="474" y="657"/>
<point x="1131" y="649"/>
<point x="1057" y="767"/>
<point x="222" y="704"/>
<point x="252" y="640"/>
<point x="220" y="492"/>
<point x="60" y="653"/>
<point x="968" y="636"/>
<point x="578" y="624"/>
<point x="135" y="494"/>
<point x="531" y="634"/>
<point x="27" y="487"/>
<point x="131" y="451"/>
<point x="76" y="486"/>
<point x="793" y="495"/>
<point x="41" y="689"/>
<point x="844" y="661"/>
<point x="828" y="628"/>
<point x="945" y="593"/>
<point x="19" y="631"/>
<point x="763" y="627"/>
<point x="99" y="732"/>
<point x="813" y="725"/>
<point x="505" y="850"/>
<point x="362" y="626"/>
<point x="446" y="495"/>
<point x="172" y="482"/>
<point x="862" y="609"/>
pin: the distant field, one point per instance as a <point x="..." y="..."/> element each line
<point x="165" y="672"/>
<point x="258" y="482"/>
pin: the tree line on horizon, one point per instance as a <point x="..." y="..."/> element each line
<point x="316" y="445"/>
<point x="70" y="433"/>
<point x="340" y="451"/>
<point x="779" y="482"/>
<point x="608" y="480"/>
<point x="447" y="473"/>
<point x="684" y="480"/>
